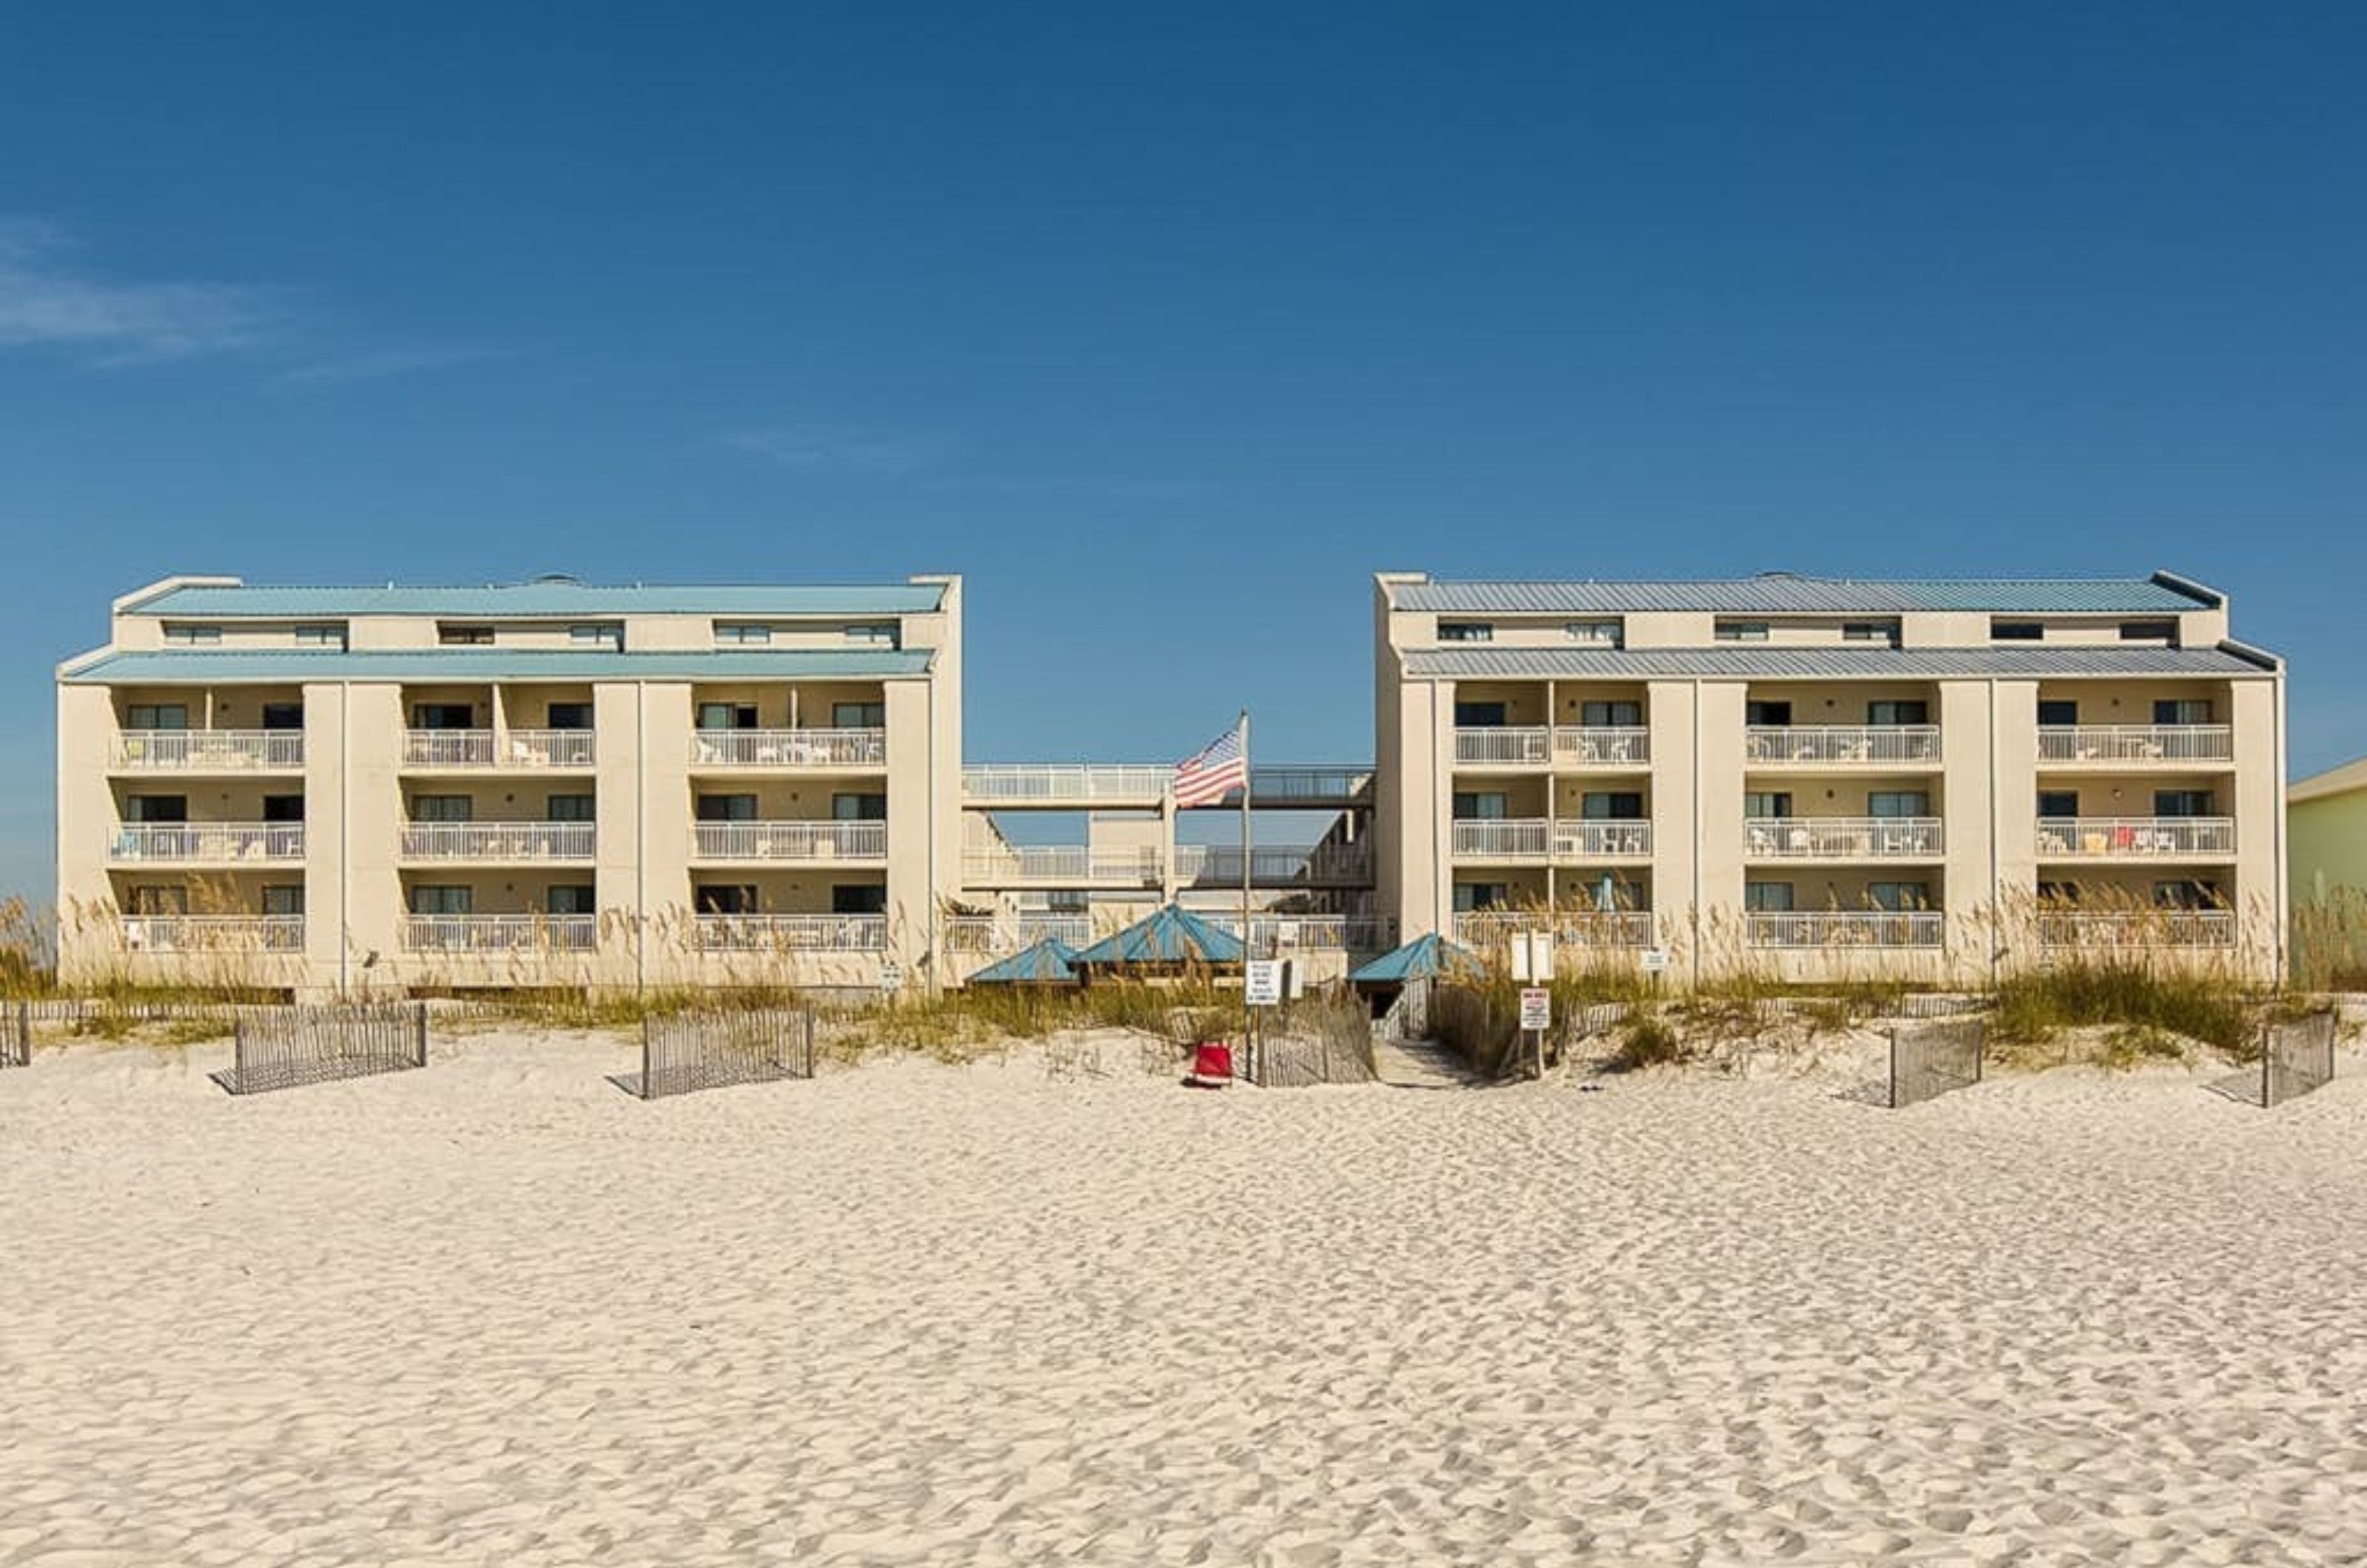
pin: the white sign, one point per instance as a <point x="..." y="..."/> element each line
<point x="1656" y="961"/>
<point x="1264" y="982"/>
<point x="891" y="977"/>
<point x="1533" y="957"/>
<point x="1536" y="1008"/>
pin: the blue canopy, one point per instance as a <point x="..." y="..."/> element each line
<point x="1423" y="958"/>
<point x="1049" y="961"/>
<point x="1171" y="935"/>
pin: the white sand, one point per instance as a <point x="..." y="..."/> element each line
<point x="499" y="1313"/>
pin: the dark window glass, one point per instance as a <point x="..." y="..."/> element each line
<point x="858" y="899"/>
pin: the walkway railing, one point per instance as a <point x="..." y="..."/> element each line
<point x="789" y="749"/>
<point x="2105" y="838"/>
<point x="1313" y="786"/>
<point x="204" y="750"/>
<point x="1002" y="934"/>
<point x="791" y="841"/>
<point x="1854" y="745"/>
<point x="1023" y="783"/>
<point x="500" y="934"/>
<point x="1871" y="927"/>
<point x="1843" y="837"/>
<point x="1276" y="865"/>
<point x="1062" y="866"/>
<point x="498" y="841"/>
<point x="2136" y="743"/>
<point x="194" y="841"/>
<point x="791" y="933"/>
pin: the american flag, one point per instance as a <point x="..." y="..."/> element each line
<point x="1221" y="767"/>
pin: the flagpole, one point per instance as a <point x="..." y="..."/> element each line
<point x="1245" y="879"/>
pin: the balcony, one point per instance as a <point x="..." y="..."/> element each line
<point x="798" y="842"/>
<point x="1504" y="746"/>
<point x="2136" y="930"/>
<point x="1061" y="865"/>
<point x="213" y="934"/>
<point x="500" y="934"/>
<point x="1843" y="837"/>
<point x="998" y="935"/>
<point x="529" y="750"/>
<point x="210" y="751"/>
<point x="787" y="749"/>
<point x="1536" y="838"/>
<point x="1276" y="865"/>
<point x="1485" y="929"/>
<point x="1842" y="745"/>
<point x="447" y="842"/>
<point x="2124" y="743"/>
<point x="207" y="843"/>
<point x="2135" y="838"/>
<point x="1063" y="783"/>
<point x="1622" y="747"/>
<point x="791" y="933"/>
<point x="1867" y="928"/>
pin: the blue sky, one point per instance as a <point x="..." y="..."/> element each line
<point x="1168" y="329"/>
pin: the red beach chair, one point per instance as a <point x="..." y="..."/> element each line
<point x="1212" y="1066"/>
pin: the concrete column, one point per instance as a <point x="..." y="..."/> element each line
<point x="2012" y="816"/>
<point x="2258" y="892"/>
<point x="618" y="742"/>
<point x="354" y="777"/>
<point x="1669" y="717"/>
<point x="658" y="724"/>
<point x="911" y="884"/>
<point x="87" y="933"/>
<point x="1967" y="806"/>
<point x="1719" y="840"/>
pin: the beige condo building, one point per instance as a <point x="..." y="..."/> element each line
<point x="1818" y="778"/>
<point x="330" y="790"/>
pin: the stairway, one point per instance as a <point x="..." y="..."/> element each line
<point x="1419" y="1063"/>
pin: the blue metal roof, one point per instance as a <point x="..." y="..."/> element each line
<point x="1169" y="935"/>
<point x="1049" y="961"/>
<point x="1784" y="593"/>
<point x="553" y="599"/>
<point x="281" y="666"/>
<point x="1747" y="660"/>
<point x="1420" y="959"/>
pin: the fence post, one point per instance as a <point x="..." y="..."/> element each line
<point x="419" y="1047"/>
<point x="1893" y="1096"/>
<point x="24" y="1034"/>
<point x="649" y="1085"/>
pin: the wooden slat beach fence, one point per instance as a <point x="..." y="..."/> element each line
<point x="17" y="1037"/>
<point x="2296" y="1057"/>
<point x="284" y="1047"/>
<point x="715" y="1048"/>
<point x="1931" y="1056"/>
<point x="1318" y="1043"/>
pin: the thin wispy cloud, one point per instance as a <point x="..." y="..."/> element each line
<point x="820" y="447"/>
<point x="50" y="299"/>
<point x="384" y="364"/>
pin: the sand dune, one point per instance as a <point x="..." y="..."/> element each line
<point x="498" y="1312"/>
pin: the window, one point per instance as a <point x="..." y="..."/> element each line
<point x="1478" y="715"/>
<point x="184" y="633"/>
<point x="1898" y="803"/>
<point x="858" y="808"/>
<point x="567" y="715"/>
<point x="1898" y="896"/>
<point x="2182" y="710"/>
<point x="149" y="899"/>
<point x="1479" y="807"/>
<point x="443" y="716"/>
<point x="2184" y="803"/>
<point x="858" y="899"/>
<point x="2057" y="713"/>
<point x="2187" y="894"/>
<point x="726" y="808"/>
<point x="1767" y="898"/>
<point x="1471" y="896"/>
<point x="2017" y="631"/>
<point x="1765" y="804"/>
<point x="433" y="899"/>
<point x="1767" y="715"/>
<point x="283" y="808"/>
<point x="2058" y="895"/>
<point x="882" y="633"/>
<point x="1601" y="634"/>
<point x="1891" y="715"/>
<point x="858" y="715"/>
<point x="1870" y="631"/>
<point x="1741" y="631"/>
<point x="156" y="808"/>
<point x="725" y="900"/>
<point x="742" y="634"/>
<point x="568" y="807"/>
<point x="157" y="715"/>
<point x="283" y="900"/>
<point x="2148" y="631"/>
<point x="726" y="716"/>
<point x="320" y="637"/>
<point x="451" y="635"/>
<point x="604" y="634"/>
<point x="570" y="898"/>
<point x="2059" y="803"/>
<point x="1466" y="631"/>
<point x="283" y="715"/>
<point x="1611" y="805"/>
<point x="1611" y="716"/>
<point x="443" y="809"/>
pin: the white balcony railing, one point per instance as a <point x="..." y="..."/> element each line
<point x="1280" y="935"/>
<point x="1062" y="866"/>
<point x="1536" y="839"/>
<point x="791" y="933"/>
<point x="498" y="841"/>
<point x="210" y="751"/>
<point x="1850" y="745"/>
<point x="1276" y="865"/>
<point x="448" y="749"/>
<point x="2136" y="743"/>
<point x="999" y="935"/>
<point x="1021" y="783"/>
<point x="500" y="934"/>
<point x="2138" y="929"/>
<point x="2156" y="837"/>
<point x="205" y="842"/>
<point x="547" y="749"/>
<point x="1843" y="837"/>
<point x="1601" y="747"/>
<point x="1856" y="927"/>
<point x="213" y="934"/>
<point x="791" y="841"/>
<point x="1485" y="929"/>
<point x="788" y="748"/>
<point x="1508" y="746"/>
